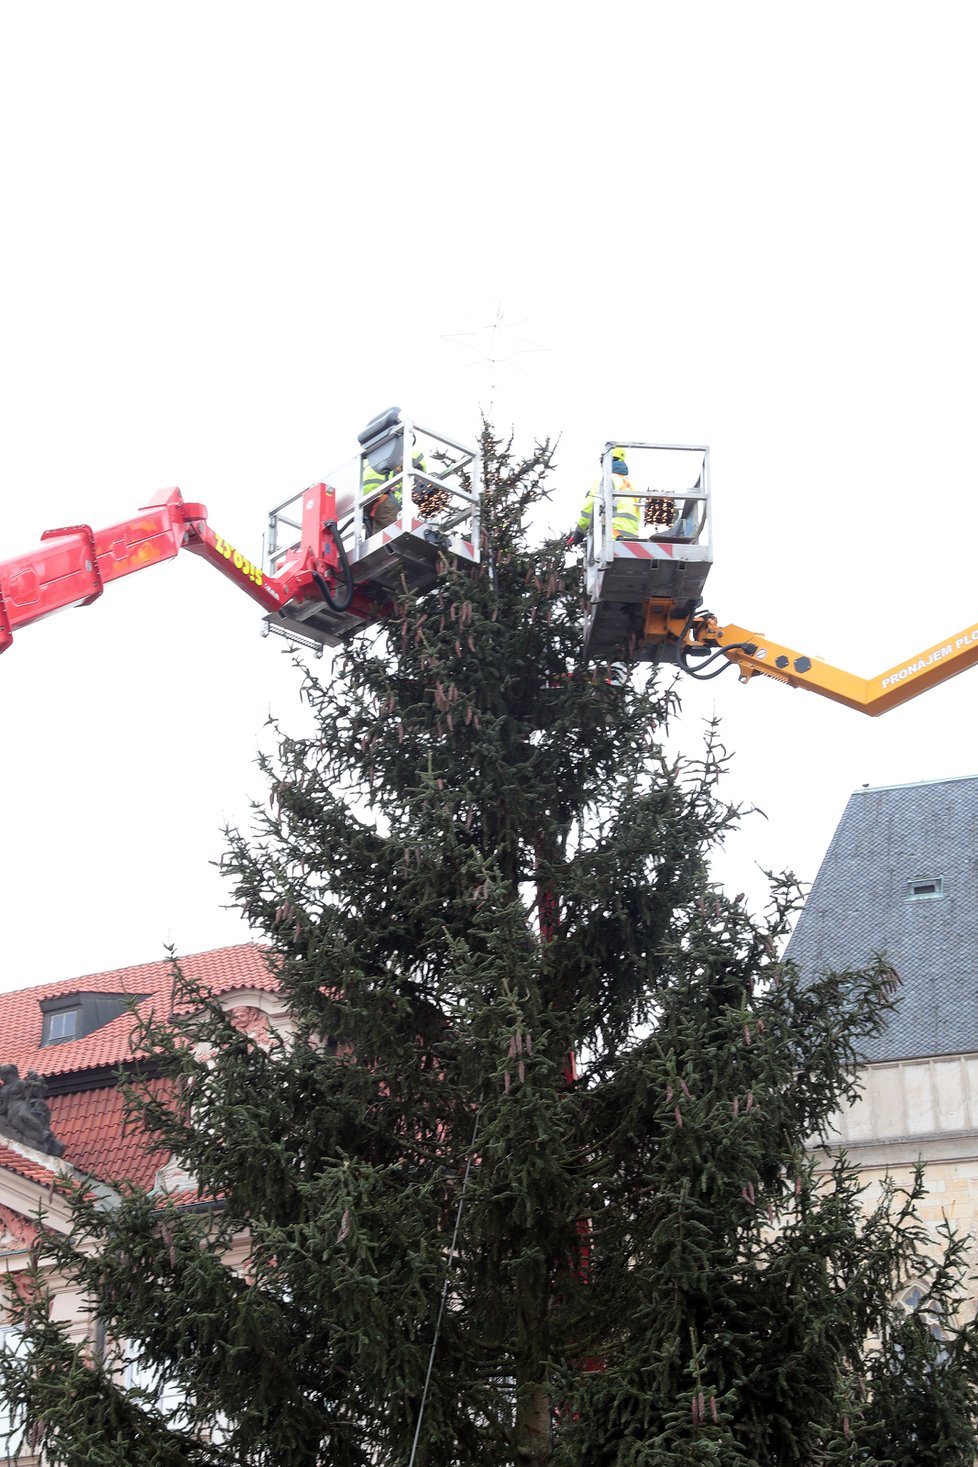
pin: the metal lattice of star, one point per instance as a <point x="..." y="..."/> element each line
<point x="495" y="344"/>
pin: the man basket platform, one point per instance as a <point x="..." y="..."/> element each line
<point x="649" y="539"/>
<point x="397" y="517"/>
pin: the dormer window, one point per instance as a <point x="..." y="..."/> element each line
<point x="73" y="1015"/>
<point x="926" y="888"/>
<point x="59" y="1026"/>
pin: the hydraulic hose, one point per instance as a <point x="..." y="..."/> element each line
<point x="685" y="659"/>
<point x="720" y="655"/>
<point x="341" y="602"/>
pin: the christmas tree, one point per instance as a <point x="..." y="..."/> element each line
<point x="532" y="1181"/>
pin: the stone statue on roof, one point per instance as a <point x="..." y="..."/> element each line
<point x="24" y="1113"/>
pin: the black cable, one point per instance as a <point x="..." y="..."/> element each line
<point x="703" y="676"/>
<point x="681" y="639"/>
<point x="336" y="603"/>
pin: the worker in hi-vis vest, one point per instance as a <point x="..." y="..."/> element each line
<point x="383" y="510"/>
<point x="382" y="458"/>
<point x="625" y="522"/>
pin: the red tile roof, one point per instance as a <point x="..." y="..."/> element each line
<point x="12" y="1161"/>
<point x="91" y="1124"/>
<point x="90" y="1121"/>
<point x="220" y="971"/>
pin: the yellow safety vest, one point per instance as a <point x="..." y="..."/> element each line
<point x="373" y="480"/>
<point x="626" y="515"/>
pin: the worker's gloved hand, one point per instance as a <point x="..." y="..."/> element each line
<point x="576" y="537"/>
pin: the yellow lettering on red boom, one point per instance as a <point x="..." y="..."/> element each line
<point x="240" y="562"/>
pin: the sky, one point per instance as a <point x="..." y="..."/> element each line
<point x="233" y="234"/>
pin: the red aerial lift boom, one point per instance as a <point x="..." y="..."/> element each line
<point x="72" y="566"/>
<point x="328" y="574"/>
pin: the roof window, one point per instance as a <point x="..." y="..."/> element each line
<point x="925" y="888"/>
<point x="73" y="1015"/>
<point x="59" y="1026"/>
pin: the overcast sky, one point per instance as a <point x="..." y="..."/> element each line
<point x="232" y="234"/>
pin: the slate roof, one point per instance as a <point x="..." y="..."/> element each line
<point x="86" y="1107"/>
<point x="860" y="903"/>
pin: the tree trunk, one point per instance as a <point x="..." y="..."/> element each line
<point x="533" y="1437"/>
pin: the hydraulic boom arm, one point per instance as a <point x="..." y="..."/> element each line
<point x="72" y="566"/>
<point x="333" y="566"/>
<point x="703" y="649"/>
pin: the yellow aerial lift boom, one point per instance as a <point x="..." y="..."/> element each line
<point x="644" y="594"/>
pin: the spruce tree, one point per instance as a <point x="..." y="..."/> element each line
<point x="532" y="1180"/>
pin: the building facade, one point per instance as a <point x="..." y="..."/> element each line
<point x="900" y="877"/>
<point x="62" y="1048"/>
